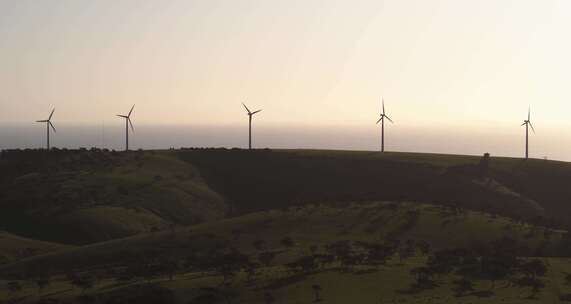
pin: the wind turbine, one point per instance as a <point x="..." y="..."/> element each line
<point x="382" y="121"/>
<point x="127" y="124"/>
<point x="48" y="125"/>
<point x="250" y="114"/>
<point x="527" y="124"/>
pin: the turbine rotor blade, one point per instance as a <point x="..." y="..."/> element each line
<point x="131" y="124"/>
<point x="51" y="114"/>
<point x="383" y="101"/>
<point x="51" y="125"/>
<point x="248" y="110"/>
<point x="122" y="116"/>
<point x="380" y="119"/>
<point x="256" y="112"/>
<point x="41" y="121"/>
<point x="523" y="124"/>
<point x="129" y="115"/>
<point x="532" y="129"/>
<point x="529" y="113"/>
<point x="389" y="119"/>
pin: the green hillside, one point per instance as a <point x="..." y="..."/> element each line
<point x="81" y="197"/>
<point x="14" y="248"/>
<point x="268" y="226"/>
<point x="293" y="234"/>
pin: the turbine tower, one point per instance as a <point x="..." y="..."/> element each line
<point x="127" y="124"/>
<point x="527" y="124"/>
<point x="382" y="121"/>
<point x="48" y="125"/>
<point x="250" y="114"/>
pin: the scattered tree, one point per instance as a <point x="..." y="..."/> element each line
<point x="495" y="268"/>
<point x="266" y="258"/>
<point x="462" y="286"/>
<point x="313" y="249"/>
<point x="259" y="245"/>
<point x="534" y="268"/>
<point x="13" y="286"/>
<point x="316" y="291"/>
<point x="407" y="250"/>
<point x="287" y="242"/>
<point x="269" y="298"/>
<point x="423" y="247"/>
<point x="42" y="282"/>
<point x="423" y="278"/>
<point x="83" y="281"/>
<point x="251" y="271"/>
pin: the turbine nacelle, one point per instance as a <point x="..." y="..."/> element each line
<point x="49" y="120"/>
<point x="128" y="118"/>
<point x="250" y="113"/>
<point x="383" y="115"/>
<point x="528" y="120"/>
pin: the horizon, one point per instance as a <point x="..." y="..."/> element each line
<point x="507" y="143"/>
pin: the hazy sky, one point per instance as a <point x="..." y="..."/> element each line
<point x="442" y="65"/>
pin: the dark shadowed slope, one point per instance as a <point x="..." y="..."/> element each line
<point x="87" y="196"/>
<point x="14" y="248"/>
<point x="265" y="179"/>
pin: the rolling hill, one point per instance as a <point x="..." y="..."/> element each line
<point x="194" y="225"/>
<point x="312" y="228"/>
<point x="14" y="248"/>
<point x="88" y="196"/>
<point x="81" y="197"/>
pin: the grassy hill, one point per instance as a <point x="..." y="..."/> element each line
<point x="81" y="197"/>
<point x="14" y="248"/>
<point x="235" y="226"/>
<point x="297" y="232"/>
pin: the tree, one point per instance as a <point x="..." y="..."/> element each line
<point x="83" y="281"/>
<point x="266" y="258"/>
<point x="228" y="294"/>
<point x="407" y="250"/>
<point x="259" y="245"/>
<point x="339" y="248"/>
<point x="42" y="282"/>
<point x="495" y="268"/>
<point x="534" y="268"/>
<point x="251" y="271"/>
<point x="308" y="263"/>
<point x="269" y="298"/>
<point x="462" y="286"/>
<point x="230" y="263"/>
<point x="343" y="252"/>
<point x="423" y="277"/>
<point x="423" y="247"/>
<point x="316" y="291"/>
<point x="324" y="259"/>
<point x="204" y="299"/>
<point x="168" y="268"/>
<point x="305" y="264"/>
<point x="287" y="242"/>
<point x="313" y="249"/>
<point x="14" y="286"/>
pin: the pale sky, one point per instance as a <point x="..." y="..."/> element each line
<point x="441" y="64"/>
